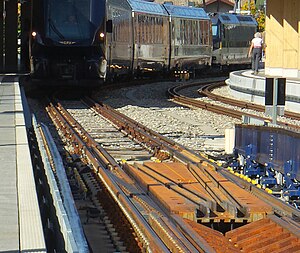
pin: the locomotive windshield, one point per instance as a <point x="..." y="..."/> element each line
<point x="68" y="20"/>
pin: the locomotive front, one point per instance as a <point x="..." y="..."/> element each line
<point x="67" y="40"/>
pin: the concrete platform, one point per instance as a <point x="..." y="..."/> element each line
<point x="243" y="84"/>
<point x="20" y="222"/>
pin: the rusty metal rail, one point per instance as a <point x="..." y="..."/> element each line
<point x="161" y="146"/>
<point x="179" y="153"/>
<point x="281" y="208"/>
<point x="84" y="145"/>
<point x="174" y="94"/>
<point x="265" y="235"/>
<point x="193" y="189"/>
<point x="207" y="91"/>
<point x="121" y="188"/>
<point x="215" y="197"/>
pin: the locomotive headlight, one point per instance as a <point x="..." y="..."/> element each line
<point x="101" y="35"/>
<point x="33" y="34"/>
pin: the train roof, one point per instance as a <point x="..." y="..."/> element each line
<point x="147" y="7"/>
<point x="233" y="18"/>
<point x="186" y="12"/>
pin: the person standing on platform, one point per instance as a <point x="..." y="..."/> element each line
<point x="256" y="50"/>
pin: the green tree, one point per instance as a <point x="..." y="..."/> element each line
<point x="259" y="15"/>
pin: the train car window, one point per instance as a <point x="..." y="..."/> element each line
<point x="120" y="25"/>
<point x="198" y="33"/>
<point x="177" y="32"/>
<point x="156" y="30"/>
<point x="146" y="30"/>
<point x="244" y="18"/>
<point x="137" y="29"/>
<point x="160" y="30"/>
<point x="109" y="26"/>
<point x="224" y="17"/>
<point x="69" y="20"/>
<point x="210" y="33"/>
<point x="203" y="31"/>
<point x="143" y="32"/>
<point x="185" y="32"/>
<point x="150" y="30"/>
<point x="239" y="36"/>
<point x="139" y="25"/>
<point x="145" y="39"/>
<point x="194" y="33"/>
<point x="207" y="34"/>
<point x="190" y="32"/>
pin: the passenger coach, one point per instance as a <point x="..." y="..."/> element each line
<point x="139" y="43"/>
<point x="190" y="37"/>
<point x="149" y="38"/>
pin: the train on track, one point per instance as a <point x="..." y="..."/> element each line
<point x="73" y="40"/>
<point x="231" y="39"/>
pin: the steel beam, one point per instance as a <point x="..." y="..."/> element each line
<point x="25" y="30"/>
<point x="1" y="37"/>
<point x="10" y="36"/>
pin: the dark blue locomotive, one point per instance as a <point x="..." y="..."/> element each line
<point x="67" y="39"/>
<point x="270" y="156"/>
<point x="88" y="39"/>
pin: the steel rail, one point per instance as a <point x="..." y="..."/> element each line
<point x="101" y="165"/>
<point x="207" y="91"/>
<point x="174" y="94"/>
<point x="106" y="178"/>
<point x="279" y="206"/>
<point x="153" y="140"/>
<point x="133" y="128"/>
<point x="133" y="215"/>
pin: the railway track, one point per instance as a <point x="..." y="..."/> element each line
<point x="207" y="91"/>
<point x="162" y="188"/>
<point x="236" y="112"/>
